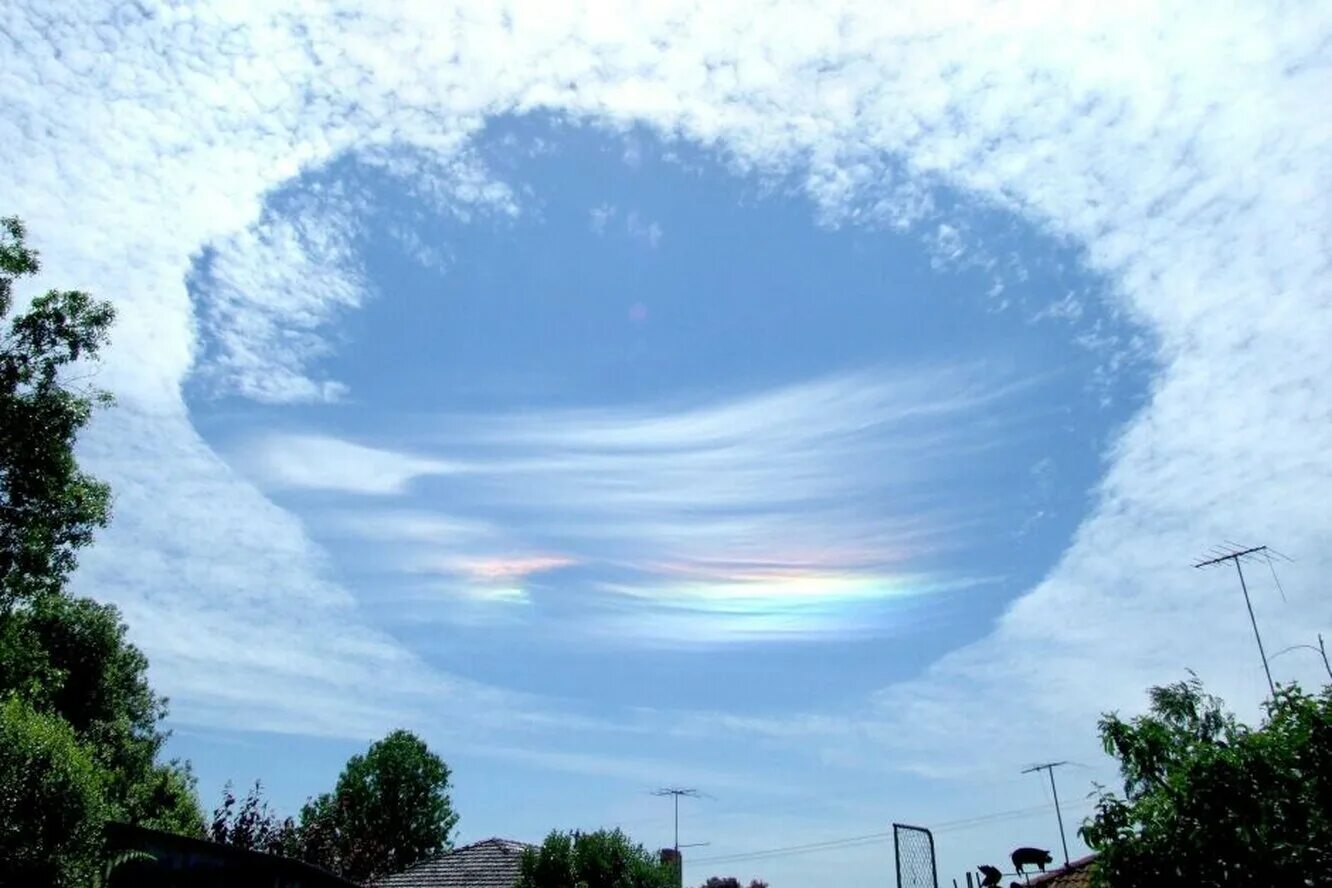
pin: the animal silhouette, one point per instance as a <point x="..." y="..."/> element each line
<point x="1038" y="857"/>
<point x="991" y="874"/>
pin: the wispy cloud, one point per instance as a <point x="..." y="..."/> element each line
<point x="323" y="463"/>
<point x="763" y="512"/>
<point x="602" y="221"/>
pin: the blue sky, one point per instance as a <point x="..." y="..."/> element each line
<point x="691" y="430"/>
<point x="818" y="408"/>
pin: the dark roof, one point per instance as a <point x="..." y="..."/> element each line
<point x="493" y="863"/>
<point x="1076" y="875"/>
<point x="198" y="863"/>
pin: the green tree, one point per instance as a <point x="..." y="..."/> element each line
<point x="731" y="882"/>
<point x="69" y="657"/>
<point x="389" y="809"/>
<point x="51" y="805"/>
<point x="49" y="507"/>
<point x="81" y="722"/>
<point x="1209" y="801"/>
<point x="601" y="859"/>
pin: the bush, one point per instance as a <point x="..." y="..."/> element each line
<point x="51" y="809"/>
<point x="602" y="859"/>
<point x="1209" y="801"/>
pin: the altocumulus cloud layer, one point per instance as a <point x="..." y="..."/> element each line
<point x="1179" y="144"/>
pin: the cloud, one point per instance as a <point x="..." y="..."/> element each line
<point x="599" y="216"/>
<point x="322" y="463"/>
<point x="501" y="568"/>
<point x="267" y="292"/>
<point x="755" y="517"/>
<point x="1172" y="142"/>
<point x="648" y="231"/>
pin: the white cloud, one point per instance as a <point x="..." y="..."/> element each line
<point x="751" y="518"/>
<point x="322" y="463"/>
<point x="647" y="231"/>
<point x="270" y="290"/>
<point x="1175" y="142"/>
<point x="598" y="217"/>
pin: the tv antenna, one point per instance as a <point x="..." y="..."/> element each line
<point x="1237" y="554"/>
<point x="1059" y="815"/>
<point x="676" y="793"/>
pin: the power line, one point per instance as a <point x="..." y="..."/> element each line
<point x="1237" y="554"/>
<point x="1059" y="815"/>
<point x="871" y="838"/>
<point x="997" y="817"/>
<point x="868" y="838"/>
<point x="1321" y="650"/>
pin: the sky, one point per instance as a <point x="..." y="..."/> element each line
<point x="817" y="405"/>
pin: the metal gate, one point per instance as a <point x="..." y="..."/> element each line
<point x="913" y="846"/>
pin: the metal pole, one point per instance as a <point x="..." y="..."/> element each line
<point x="1271" y="686"/>
<point x="677" y="828"/>
<point x="1058" y="814"/>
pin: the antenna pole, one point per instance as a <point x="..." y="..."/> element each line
<point x="675" y="793"/>
<point x="1271" y="686"/>
<point x="1059" y="815"/>
<point x="1235" y="556"/>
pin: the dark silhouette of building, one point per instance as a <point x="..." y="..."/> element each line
<point x="174" y="861"/>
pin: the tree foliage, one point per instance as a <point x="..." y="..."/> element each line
<point x="81" y="722"/>
<point x="602" y="859"/>
<point x="731" y="882"/>
<point x="51" y="804"/>
<point x="49" y="507"/>
<point x="248" y="823"/>
<point x="1209" y="801"/>
<point x="389" y="809"/>
<point x="69" y="657"/>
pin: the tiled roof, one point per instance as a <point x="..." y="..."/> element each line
<point x="1076" y="875"/>
<point x="490" y="864"/>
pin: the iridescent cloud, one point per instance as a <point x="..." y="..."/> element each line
<point x="804" y="509"/>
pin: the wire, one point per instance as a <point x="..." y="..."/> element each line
<point x="868" y="838"/>
<point x="874" y="838"/>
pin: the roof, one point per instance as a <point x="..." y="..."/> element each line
<point x="493" y="863"/>
<point x="1076" y="875"/>
<point x="185" y="860"/>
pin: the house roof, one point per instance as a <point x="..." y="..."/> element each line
<point x="1076" y="875"/>
<point x="185" y="860"/>
<point x="492" y="863"/>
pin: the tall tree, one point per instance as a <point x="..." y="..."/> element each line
<point x="74" y="690"/>
<point x="1209" y="801"/>
<point x="49" y="507"/>
<point x="601" y="859"/>
<point x="389" y="809"/>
